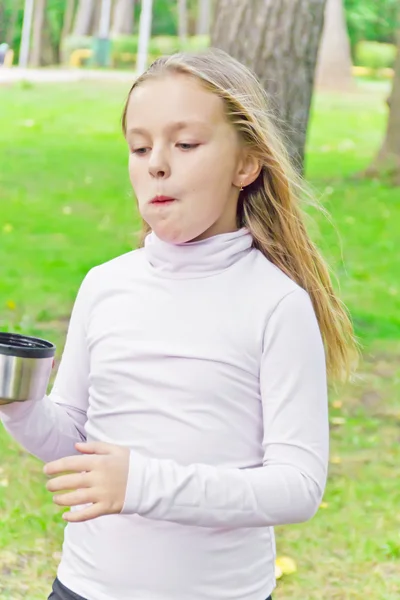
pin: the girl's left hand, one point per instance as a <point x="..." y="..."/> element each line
<point x="100" y="478"/>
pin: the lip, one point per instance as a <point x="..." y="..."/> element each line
<point x="162" y="200"/>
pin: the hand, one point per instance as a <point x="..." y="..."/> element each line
<point x="100" y="478"/>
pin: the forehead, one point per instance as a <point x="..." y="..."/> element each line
<point x="171" y="97"/>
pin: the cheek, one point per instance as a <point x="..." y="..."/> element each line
<point x="208" y="174"/>
<point x="219" y="167"/>
<point x="138" y="177"/>
<point x="133" y="171"/>
<point x="135" y="178"/>
<point x="216" y="180"/>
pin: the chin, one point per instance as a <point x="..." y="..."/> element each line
<point x="175" y="235"/>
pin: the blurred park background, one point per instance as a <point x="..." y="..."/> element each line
<point x="66" y="205"/>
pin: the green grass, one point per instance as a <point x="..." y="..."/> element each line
<point x="66" y="205"/>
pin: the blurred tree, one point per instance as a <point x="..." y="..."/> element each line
<point x="372" y="20"/>
<point x="334" y="57"/>
<point x="123" y="17"/>
<point x="58" y="22"/>
<point x="85" y="17"/>
<point x="203" y="17"/>
<point x="165" y="17"/>
<point x="283" y="53"/>
<point x="3" y="21"/>
<point x="145" y="24"/>
<point x="182" y="20"/>
<point x="68" y="18"/>
<point x="26" y="33"/>
<point x="11" y="22"/>
<point x="387" y="162"/>
<point x="52" y="21"/>
<point x="38" y="33"/>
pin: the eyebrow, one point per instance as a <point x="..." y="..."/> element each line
<point x="172" y="127"/>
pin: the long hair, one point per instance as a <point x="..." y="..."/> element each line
<point x="270" y="206"/>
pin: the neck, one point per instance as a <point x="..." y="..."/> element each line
<point x="200" y="257"/>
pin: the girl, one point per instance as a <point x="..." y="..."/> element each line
<point x="190" y="407"/>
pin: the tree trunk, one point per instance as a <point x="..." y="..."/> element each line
<point x="387" y="162"/>
<point x="68" y="19"/>
<point x="334" y="57"/>
<point x="145" y="22"/>
<point x="203" y="17"/>
<point x="95" y="25"/>
<point x="123" y="17"/>
<point x="182" y="20"/>
<point x="25" y="45"/>
<point x="279" y="42"/>
<point x="85" y="17"/>
<point x="8" y="35"/>
<point x="3" y="23"/>
<point x="50" y="51"/>
<point x="38" y="33"/>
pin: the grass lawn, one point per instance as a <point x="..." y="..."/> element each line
<point x="66" y="205"/>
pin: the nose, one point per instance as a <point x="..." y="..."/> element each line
<point x="158" y="165"/>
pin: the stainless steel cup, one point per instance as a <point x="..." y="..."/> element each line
<point x="25" y="367"/>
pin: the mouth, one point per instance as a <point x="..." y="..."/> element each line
<point x="162" y="200"/>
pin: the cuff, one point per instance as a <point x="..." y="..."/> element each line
<point x="135" y="485"/>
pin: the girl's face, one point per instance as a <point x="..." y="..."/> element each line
<point x="183" y="147"/>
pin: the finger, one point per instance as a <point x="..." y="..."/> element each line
<point x="74" y="498"/>
<point x="69" y="463"/>
<point x="68" y="482"/>
<point x="78" y="516"/>
<point x="94" y="447"/>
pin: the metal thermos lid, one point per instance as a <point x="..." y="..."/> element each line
<point x="24" y="346"/>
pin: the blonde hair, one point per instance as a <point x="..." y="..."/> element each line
<point x="270" y="206"/>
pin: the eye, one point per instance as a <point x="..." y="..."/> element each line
<point x="139" y="151"/>
<point x="185" y="146"/>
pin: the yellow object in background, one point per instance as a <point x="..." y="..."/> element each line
<point x="9" y="57"/>
<point x="78" y="56"/>
<point x="284" y="565"/>
<point x="11" y="305"/>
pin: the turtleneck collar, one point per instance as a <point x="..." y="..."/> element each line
<point x="197" y="259"/>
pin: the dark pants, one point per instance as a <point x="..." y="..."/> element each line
<point x="60" y="592"/>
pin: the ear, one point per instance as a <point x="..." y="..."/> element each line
<point x="248" y="170"/>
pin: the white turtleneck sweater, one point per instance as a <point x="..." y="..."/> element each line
<point x="207" y="362"/>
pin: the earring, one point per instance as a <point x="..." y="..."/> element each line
<point x="241" y="186"/>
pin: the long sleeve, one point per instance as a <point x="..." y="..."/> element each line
<point x="50" y="427"/>
<point x="289" y="485"/>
